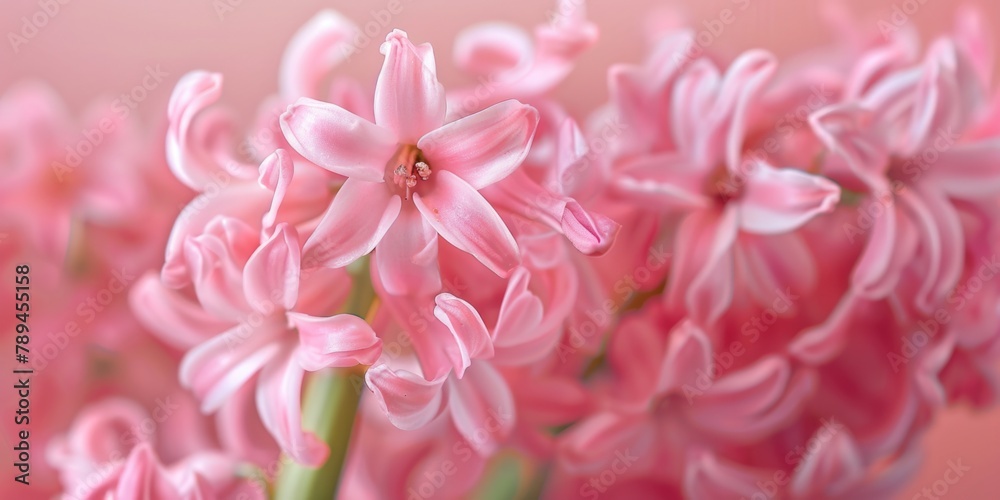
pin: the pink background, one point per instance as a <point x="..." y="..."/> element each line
<point x="102" y="47"/>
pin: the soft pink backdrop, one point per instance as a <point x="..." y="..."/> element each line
<point x="102" y="47"/>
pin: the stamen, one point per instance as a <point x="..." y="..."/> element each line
<point x="423" y="170"/>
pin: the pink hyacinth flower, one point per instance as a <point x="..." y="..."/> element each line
<point x="411" y="176"/>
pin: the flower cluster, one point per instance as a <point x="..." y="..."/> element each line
<point x="738" y="278"/>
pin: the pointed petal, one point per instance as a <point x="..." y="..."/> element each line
<point x="409" y="100"/>
<point x="279" y="393"/>
<point x="485" y="147"/>
<point x="472" y="339"/>
<point x="782" y="200"/>
<point x="941" y="240"/>
<point x="356" y="221"/>
<point x="336" y="341"/>
<point x="739" y="91"/>
<point x="890" y="247"/>
<point x="689" y="356"/>
<point x="172" y="317"/>
<point x="668" y="182"/>
<point x="407" y="257"/>
<point x="702" y="271"/>
<point x="216" y="369"/>
<point x="276" y="172"/>
<point x="338" y="140"/>
<point x="831" y="468"/>
<point x="271" y="275"/>
<point x="591" y="233"/>
<point x="482" y="401"/>
<point x="465" y="219"/>
<point x="407" y="399"/>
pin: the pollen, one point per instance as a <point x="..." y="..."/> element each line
<point x="410" y="167"/>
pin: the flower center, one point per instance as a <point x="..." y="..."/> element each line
<point x="408" y="166"/>
<point x="724" y="187"/>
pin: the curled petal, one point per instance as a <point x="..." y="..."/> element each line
<point x="193" y="152"/>
<point x="276" y="173"/>
<point x="782" y="200"/>
<point x="407" y="399"/>
<point x="472" y="339"/>
<point x="322" y="43"/>
<point x="337" y="341"/>
<point x="216" y="369"/>
<point x="689" y="356"/>
<point x="271" y="275"/>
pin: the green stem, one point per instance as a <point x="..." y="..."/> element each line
<point x="329" y="408"/>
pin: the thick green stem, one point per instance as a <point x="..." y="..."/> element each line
<point x="329" y="407"/>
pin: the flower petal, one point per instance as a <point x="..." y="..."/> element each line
<point x="482" y="401"/>
<point x="409" y="100"/>
<point x="484" y="147"/>
<point x="407" y="399"/>
<point x="407" y="258"/>
<point x="465" y="219"/>
<point x="271" y="276"/>
<point x="356" y="221"/>
<point x="197" y="150"/>
<point x="337" y="139"/>
<point x="967" y="171"/>
<point x="782" y="200"/>
<point x="337" y="341"/>
<point x="318" y="46"/>
<point x="216" y="369"/>
<point x="689" y="355"/>
<point x="702" y="271"/>
<point x="279" y="393"/>
<point x="472" y="339"/>
<point x="170" y="316"/>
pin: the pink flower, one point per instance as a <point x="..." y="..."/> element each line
<point x="729" y="197"/>
<point x="411" y="177"/>
<point x="901" y="143"/>
<point x="257" y="315"/>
